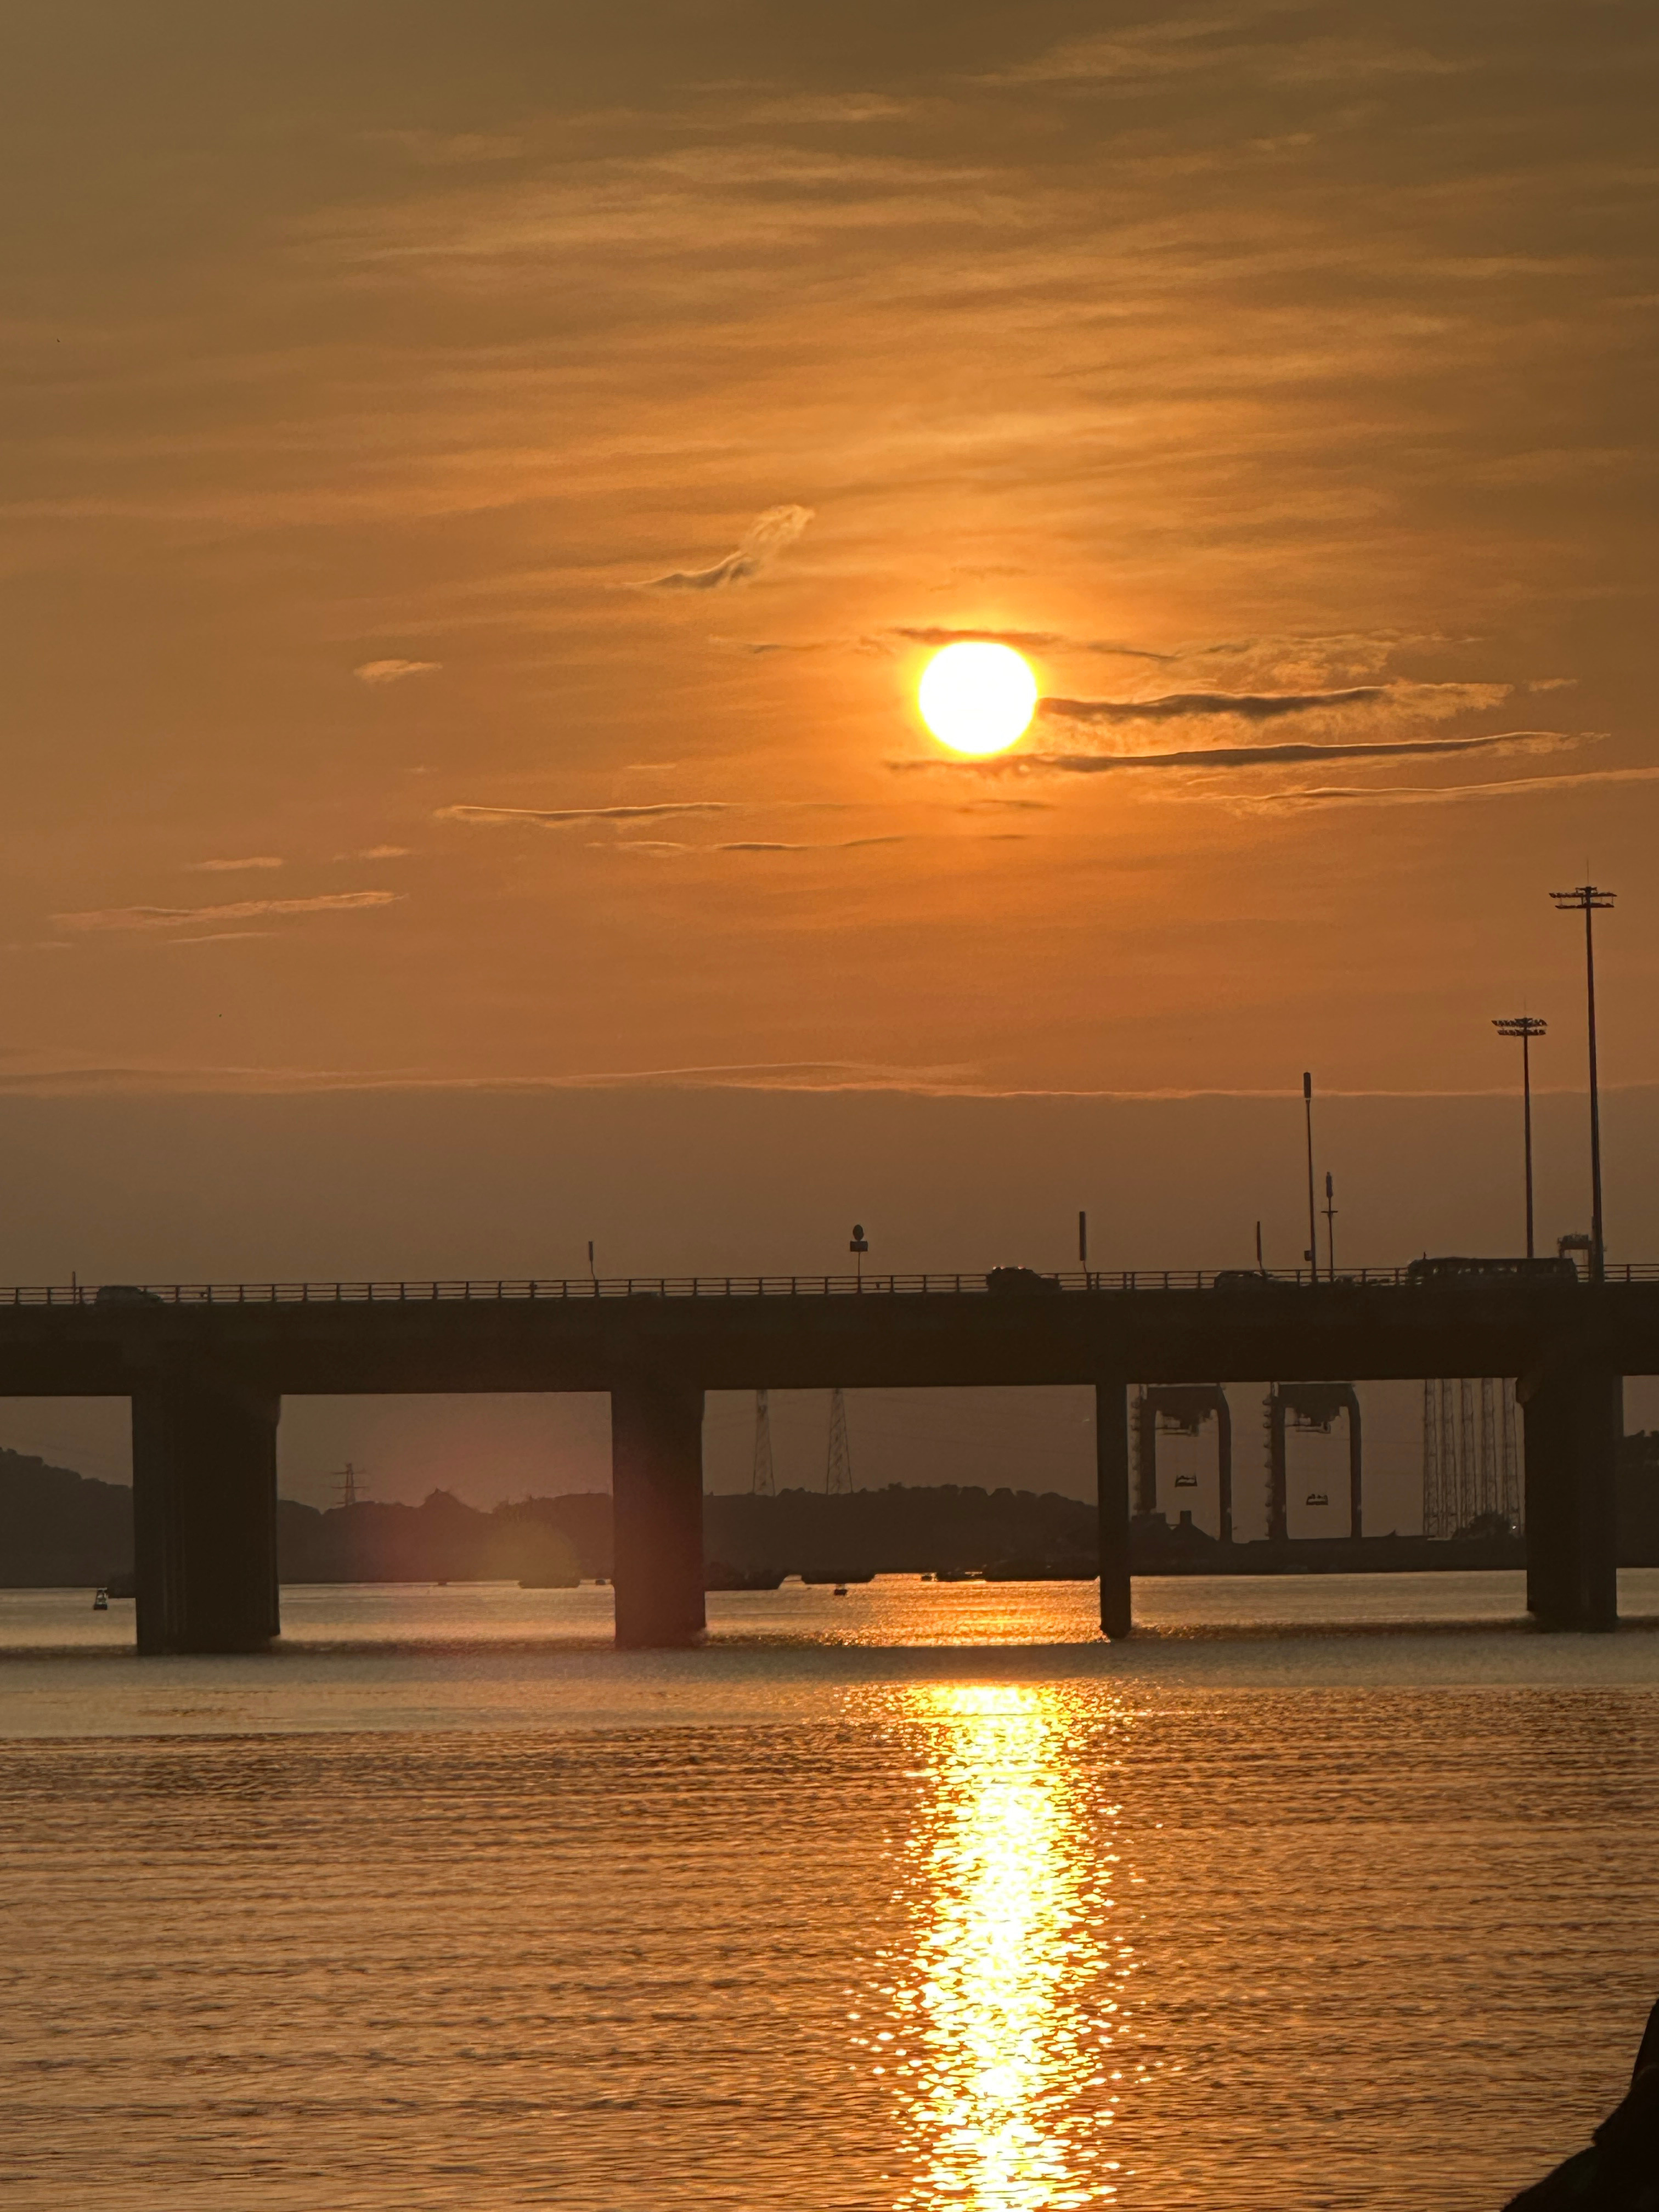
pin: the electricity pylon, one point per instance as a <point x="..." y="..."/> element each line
<point x="838" y="1479"/>
<point x="760" y="1483"/>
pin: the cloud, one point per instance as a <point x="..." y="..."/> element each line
<point x="658" y="848"/>
<point x="232" y="867"/>
<point x="1444" y="794"/>
<point x="828" y="845"/>
<point x="766" y="538"/>
<point x="1193" y="706"/>
<point x="1246" y="757"/>
<point x="377" y="852"/>
<point x="219" y="937"/>
<point x="1025" y="640"/>
<point x="177" y="917"/>
<point x="394" y="671"/>
<point x="553" y="818"/>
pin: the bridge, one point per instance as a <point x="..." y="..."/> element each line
<point x="206" y="1367"/>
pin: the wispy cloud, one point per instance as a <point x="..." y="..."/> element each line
<point x="1025" y="641"/>
<point x="1447" y="794"/>
<point x="662" y="848"/>
<point x="825" y="845"/>
<point x="554" y="817"/>
<point x="218" y="936"/>
<point x="1257" y="756"/>
<point x="766" y="538"/>
<point x="1198" y="706"/>
<point x="234" y="867"/>
<point x="1430" y="702"/>
<point x="180" y="917"/>
<point x="377" y="852"/>
<point x="394" y="671"/>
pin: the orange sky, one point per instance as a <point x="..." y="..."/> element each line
<point x="365" y="369"/>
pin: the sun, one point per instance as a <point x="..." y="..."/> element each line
<point x="977" y="697"/>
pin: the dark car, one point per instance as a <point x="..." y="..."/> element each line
<point x="124" y="1294"/>
<point x="1019" y="1282"/>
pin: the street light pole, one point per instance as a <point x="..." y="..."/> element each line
<point x="1590" y="900"/>
<point x="1313" y="1210"/>
<point x="1526" y="1027"/>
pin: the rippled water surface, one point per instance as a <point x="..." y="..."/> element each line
<point x="449" y="1906"/>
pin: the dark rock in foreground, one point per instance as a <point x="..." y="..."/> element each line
<point x="1619" y="2172"/>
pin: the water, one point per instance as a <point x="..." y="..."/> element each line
<point x="905" y="1900"/>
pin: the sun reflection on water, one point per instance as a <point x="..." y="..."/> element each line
<point x="1001" y="2026"/>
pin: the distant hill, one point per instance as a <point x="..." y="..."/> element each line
<point x="900" y="1530"/>
<point x="57" y="1526"/>
<point x="444" y="1540"/>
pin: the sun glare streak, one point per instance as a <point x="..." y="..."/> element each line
<point x="977" y="697"/>
<point x="1001" y="2032"/>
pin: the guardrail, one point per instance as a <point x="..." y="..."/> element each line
<point x="997" y="1284"/>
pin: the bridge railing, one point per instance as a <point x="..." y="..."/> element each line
<point x="119" y="1296"/>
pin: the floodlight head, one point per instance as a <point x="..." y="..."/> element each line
<point x="1585" y="898"/>
<point x="1522" y="1025"/>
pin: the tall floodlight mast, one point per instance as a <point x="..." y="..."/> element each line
<point x="1526" y="1027"/>
<point x="761" y="1484"/>
<point x="1590" y="900"/>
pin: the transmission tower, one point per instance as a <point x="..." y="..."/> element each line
<point x="760" y="1483"/>
<point x="349" y="1484"/>
<point x="838" y="1481"/>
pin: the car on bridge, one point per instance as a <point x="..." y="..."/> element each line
<point x="1019" y="1282"/>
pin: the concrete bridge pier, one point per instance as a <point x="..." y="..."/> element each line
<point x="1573" y="1418"/>
<point x="204" y="1515"/>
<point x="656" y="1501"/>
<point x="1112" y="1480"/>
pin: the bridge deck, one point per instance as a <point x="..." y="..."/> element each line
<point x="207" y="1365"/>
<point x="734" y="1333"/>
